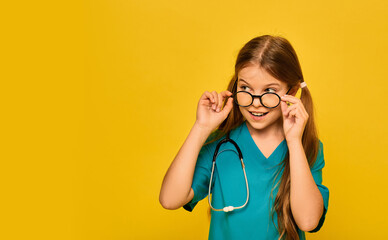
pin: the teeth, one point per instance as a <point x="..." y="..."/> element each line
<point x="258" y="114"/>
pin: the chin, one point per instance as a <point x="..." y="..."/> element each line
<point x="256" y="125"/>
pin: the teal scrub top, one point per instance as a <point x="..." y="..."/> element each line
<point x="229" y="188"/>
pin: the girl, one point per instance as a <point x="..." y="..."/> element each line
<point x="281" y="154"/>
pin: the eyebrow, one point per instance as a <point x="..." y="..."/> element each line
<point x="264" y="85"/>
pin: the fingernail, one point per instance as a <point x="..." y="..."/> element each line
<point x="218" y="109"/>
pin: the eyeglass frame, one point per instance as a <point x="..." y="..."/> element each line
<point x="255" y="96"/>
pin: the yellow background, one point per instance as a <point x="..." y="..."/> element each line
<point x="98" y="96"/>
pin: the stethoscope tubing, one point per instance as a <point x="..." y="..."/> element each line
<point x="228" y="208"/>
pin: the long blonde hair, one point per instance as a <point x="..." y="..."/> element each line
<point x="276" y="55"/>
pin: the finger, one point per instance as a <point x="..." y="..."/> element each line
<point x="290" y="98"/>
<point x="220" y="102"/>
<point x="300" y="113"/>
<point x="209" y="97"/>
<point x="226" y="93"/>
<point x="215" y="96"/>
<point x="290" y="112"/>
<point x="303" y="113"/>
<point x="293" y="112"/>
<point x="289" y="109"/>
<point x="283" y="106"/>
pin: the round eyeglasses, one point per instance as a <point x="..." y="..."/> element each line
<point x="268" y="99"/>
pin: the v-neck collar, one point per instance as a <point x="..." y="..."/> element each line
<point x="254" y="146"/>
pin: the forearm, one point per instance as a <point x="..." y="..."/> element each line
<point x="306" y="199"/>
<point x="178" y="179"/>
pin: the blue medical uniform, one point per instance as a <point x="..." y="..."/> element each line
<point x="229" y="188"/>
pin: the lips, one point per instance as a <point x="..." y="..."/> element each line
<point x="256" y="113"/>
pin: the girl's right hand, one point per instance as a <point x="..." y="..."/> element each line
<point x="209" y="112"/>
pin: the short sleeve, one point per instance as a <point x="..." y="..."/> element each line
<point x="201" y="177"/>
<point x="316" y="171"/>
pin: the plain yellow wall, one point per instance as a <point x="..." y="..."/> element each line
<point x="98" y="96"/>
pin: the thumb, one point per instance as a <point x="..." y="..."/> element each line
<point x="228" y="106"/>
<point x="283" y="106"/>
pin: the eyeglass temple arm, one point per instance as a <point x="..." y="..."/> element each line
<point x="288" y="90"/>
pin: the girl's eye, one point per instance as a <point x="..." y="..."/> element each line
<point x="244" y="88"/>
<point x="271" y="89"/>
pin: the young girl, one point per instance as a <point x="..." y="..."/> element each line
<point x="273" y="150"/>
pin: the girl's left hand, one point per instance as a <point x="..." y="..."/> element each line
<point x="294" y="118"/>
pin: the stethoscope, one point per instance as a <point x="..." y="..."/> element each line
<point x="225" y="140"/>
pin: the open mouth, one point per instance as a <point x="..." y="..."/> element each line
<point x="258" y="114"/>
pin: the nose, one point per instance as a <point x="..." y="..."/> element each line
<point x="256" y="102"/>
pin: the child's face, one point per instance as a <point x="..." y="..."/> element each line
<point x="256" y="80"/>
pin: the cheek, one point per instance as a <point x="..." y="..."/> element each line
<point x="277" y="111"/>
<point x="243" y="110"/>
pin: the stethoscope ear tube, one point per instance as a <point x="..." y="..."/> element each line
<point x="229" y="208"/>
<point x="225" y="140"/>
